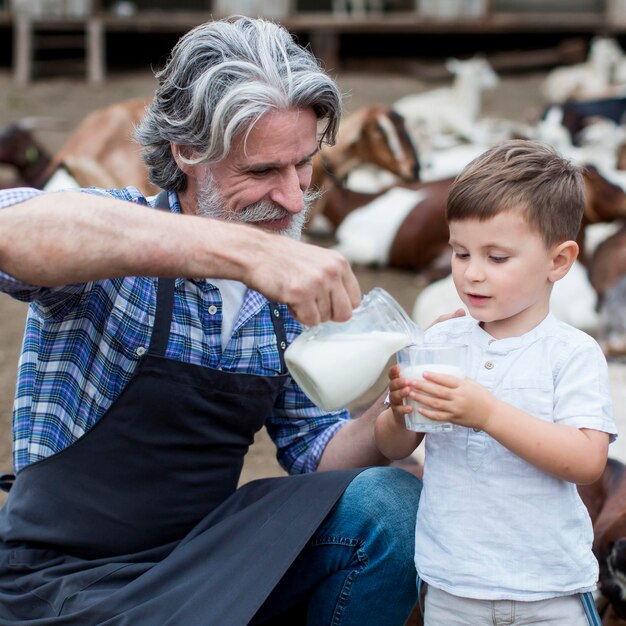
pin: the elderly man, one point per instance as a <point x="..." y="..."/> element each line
<point x="138" y="397"/>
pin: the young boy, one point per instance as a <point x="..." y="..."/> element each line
<point x="502" y="535"/>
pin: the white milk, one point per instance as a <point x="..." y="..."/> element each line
<point x="415" y="420"/>
<point x="336" y="369"/>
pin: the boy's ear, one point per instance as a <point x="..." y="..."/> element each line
<point x="563" y="257"/>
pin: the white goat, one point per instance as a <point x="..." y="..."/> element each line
<point x="366" y="234"/>
<point x="598" y="141"/>
<point x="590" y="79"/>
<point x="453" y="109"/>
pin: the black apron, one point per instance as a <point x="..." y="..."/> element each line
<point x="140" y="522"/>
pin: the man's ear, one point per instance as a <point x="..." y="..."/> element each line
<point x="181" y="155"/>
<point x="563" y="257"/>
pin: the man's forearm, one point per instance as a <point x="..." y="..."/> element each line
<point x="353" y="445"/>
<point x="62" y="238"/>
<point x="55" y="239"/>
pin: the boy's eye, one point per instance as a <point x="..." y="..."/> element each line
<point x="498" y="259"/>
<point x="461" y="255"/>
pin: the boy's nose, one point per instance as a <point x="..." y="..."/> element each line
<point x="474" y="272"/>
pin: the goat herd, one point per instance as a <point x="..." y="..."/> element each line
<point x="385" y="185"/>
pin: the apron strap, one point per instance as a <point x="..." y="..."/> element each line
<point x="6" y="482"/>
<point x="165" y="302"/>
<point x="165" y="299"/>
<point x="281" y="335"/>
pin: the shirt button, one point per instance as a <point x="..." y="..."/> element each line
<point x="140" y="351"/>
<point x="476" y="430"/>
<point x="283" y="345"/>
<point x="276" y="313"/>
<point x="212" y="310"/>
<point x="489" y="365"/>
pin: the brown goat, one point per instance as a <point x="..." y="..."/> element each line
<point x="423" y="235"/>
<point x="608" y="263"/>
<point x="373" y="135"/>
<point x="606" y="502"/>
<point x="101" y="151"/>
<point x="607" y="274"/>
<point x="21" y="150"/>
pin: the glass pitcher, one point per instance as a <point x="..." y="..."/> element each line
<point x="335" y="362"/>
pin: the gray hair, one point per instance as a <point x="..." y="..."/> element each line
<point x="220" y="79"/>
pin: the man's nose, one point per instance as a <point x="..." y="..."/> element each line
<point x="289" y="191"/>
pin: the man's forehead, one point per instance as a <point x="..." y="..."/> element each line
<point x="278" y="136"/>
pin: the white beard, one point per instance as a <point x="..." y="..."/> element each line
<point x="212" y="204"/>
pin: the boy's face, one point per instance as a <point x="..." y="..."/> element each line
<point x="501" y="270"/>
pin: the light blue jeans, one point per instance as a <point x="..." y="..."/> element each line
<point x="358" y="568"/>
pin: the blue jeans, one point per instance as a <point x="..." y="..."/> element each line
<point x="358" y="568"/>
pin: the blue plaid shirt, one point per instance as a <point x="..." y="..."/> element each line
<point x="83" y="342"/>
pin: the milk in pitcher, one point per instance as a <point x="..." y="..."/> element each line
<point x="335" y="362"/>
<point x="335" y="369"/>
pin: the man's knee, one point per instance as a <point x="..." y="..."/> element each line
<point x="384" y="500"/>
<point x="386" y="489"/>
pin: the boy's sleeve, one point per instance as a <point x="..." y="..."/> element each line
<point x="582" y="396"/>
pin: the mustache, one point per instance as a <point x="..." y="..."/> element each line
<point x="212" y="204"/>
<point x="267" y="211"/>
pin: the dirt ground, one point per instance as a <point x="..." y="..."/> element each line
<point x="69" y="100"/>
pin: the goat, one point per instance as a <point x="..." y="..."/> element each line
<point x="373" y="135"/>
<point x="100" y="152"/>
<point x="21" y="150"/>
<point x="590" y="79"/>
<point x="403" y="227"/>
<point x="452" y="109"/>
<point x="578" y="113"/>
<point x="607" y="273"/>
<point x="608" y="263"/>
<point x="416" y="233"/>
<point x="605" y="500"/>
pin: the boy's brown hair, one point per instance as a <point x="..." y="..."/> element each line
<point x="522" y="175"/>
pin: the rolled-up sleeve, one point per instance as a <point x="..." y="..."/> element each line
<point x="9" y="197"/>
<point x="8" y="283"/>
<point x="301" y="431"/>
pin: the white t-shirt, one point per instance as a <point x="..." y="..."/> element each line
<point x="233" y="293"/>
<point x="490" y="525"/>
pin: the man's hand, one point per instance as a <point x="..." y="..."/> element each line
<point x="316" y="283"/>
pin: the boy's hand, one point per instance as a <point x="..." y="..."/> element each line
<point x="447" y="398"/>
<point x="399" y="388"/>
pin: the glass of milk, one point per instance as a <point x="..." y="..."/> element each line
<point x="336" y="362"/>
<point x="417" y="359"/>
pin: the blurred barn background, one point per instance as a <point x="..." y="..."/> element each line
<point x="429" y="84"/>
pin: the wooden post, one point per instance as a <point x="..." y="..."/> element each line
<point x="96" y="50"/>
<point x="22" y="49"/>
<point x="325" y="46"/>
